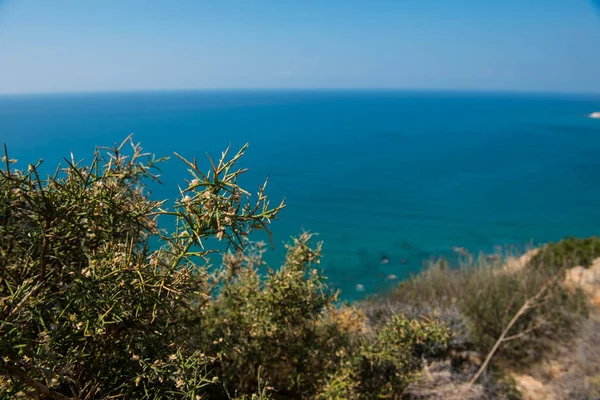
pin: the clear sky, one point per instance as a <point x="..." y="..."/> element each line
<point x="107" y="45"/>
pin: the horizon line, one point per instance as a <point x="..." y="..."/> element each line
<point x="296" y="89"/>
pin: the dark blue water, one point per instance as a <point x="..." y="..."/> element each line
<point x="405" y="175"/>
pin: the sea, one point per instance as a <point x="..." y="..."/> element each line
<point x="388" y="180"/>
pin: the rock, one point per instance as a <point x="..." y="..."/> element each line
<point x="596" y="301"/>
<point x="595" y="266"/>
<point x="532" y="389"/>
<point x="588" y="279"/>
<point x="459" y="250"/>
<point x="514" y="264"/>
<point x="576" y="276"/>
<point x="555" y="369"/>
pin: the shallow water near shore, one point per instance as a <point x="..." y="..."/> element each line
<point x="389" y="175"/>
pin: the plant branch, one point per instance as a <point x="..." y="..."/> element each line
<point x="525" y="332"/>
<point x="529" y="303"/>
<point x="41" y="388"/>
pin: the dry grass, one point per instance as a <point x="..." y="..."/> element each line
<point x="478" y="300"/>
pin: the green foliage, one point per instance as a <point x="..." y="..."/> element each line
<point x="88" y="309"/>
<point x="83" y="303"/>
<point x="382" y="365"/>
<point x="271" y="323"/>
<point x="285" y="325"/>
<point x="387" y="364"/>
<point x="567" y="253"/>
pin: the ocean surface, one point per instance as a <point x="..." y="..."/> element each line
<point x="395" y="174"/>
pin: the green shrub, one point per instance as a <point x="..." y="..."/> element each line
<point x="88" y="309"/>
<point x="567" y="253"/>
<point x="387" y="364"/>
<point x="286" y="325"/>
<point x="382" y="365"/>
<point x="272" y="323"/>
<point x="84" y="309"/>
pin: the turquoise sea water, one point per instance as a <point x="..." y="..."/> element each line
<point x="405" y="175"/>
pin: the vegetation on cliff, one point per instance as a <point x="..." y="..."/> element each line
<point x="90" y="309"/>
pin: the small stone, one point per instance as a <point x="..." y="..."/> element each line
<point x="531" y="388"/>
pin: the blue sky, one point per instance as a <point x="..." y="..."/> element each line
<point x="107" y="45"/>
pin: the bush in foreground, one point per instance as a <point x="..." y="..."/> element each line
<point x="88" y="309"/>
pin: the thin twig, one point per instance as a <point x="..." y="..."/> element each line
<point x="525" y="332"/>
